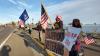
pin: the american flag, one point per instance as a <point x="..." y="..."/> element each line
<point x="21" y="23"/>
<point x="44" y="18"/>
<point x="88" y="40"/>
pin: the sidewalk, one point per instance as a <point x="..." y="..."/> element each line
<point x="17" y="47"/>
<point x="93" y="49"/>
<point x="35" y="35"/>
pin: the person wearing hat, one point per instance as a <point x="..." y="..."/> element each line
<point x="76" y="48"/>
<point x="59" y="23"/>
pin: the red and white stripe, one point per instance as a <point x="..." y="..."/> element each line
<point x="88" y="41"/>
<point x="44" y="19"/>
<point x="21" y="23"/>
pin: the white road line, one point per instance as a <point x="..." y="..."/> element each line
<point x="1" y="45"/>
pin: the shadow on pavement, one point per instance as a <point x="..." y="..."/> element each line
<point x="29" y="42"/>
<point x="5" y="50"/>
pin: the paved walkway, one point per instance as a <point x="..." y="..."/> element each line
<point x="33" y="43"/>
<point x="15" y="46"/>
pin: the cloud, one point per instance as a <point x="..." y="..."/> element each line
<point x="24" y="4"/>
<point x="86" y="10"/>
<point x="20" y="4"/>
<point x="12" y="1"/>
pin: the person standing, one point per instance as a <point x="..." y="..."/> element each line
<point x="58" y="25"/>
<point x="76" y="47"/>
<point x="39" y="28"/>
<point x="30" y="31"/>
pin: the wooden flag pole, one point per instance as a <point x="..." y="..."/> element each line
<point x="47" y="14"/>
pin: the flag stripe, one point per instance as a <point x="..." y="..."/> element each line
<point x="45" y="25"/>
<point x="44" y="20"/>
<point x="44" y="17"/>
<point x="88" y="41"/>
<point x="21" y="23"/>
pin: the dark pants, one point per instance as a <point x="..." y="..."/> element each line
<point x="73" y="52"/>
<point x="29" y="31"/>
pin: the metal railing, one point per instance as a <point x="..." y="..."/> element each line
<point x="53" y="39"/>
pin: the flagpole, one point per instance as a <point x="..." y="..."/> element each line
<point x="47" y="14"/>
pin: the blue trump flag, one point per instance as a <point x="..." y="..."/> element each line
<point x="24" y="16"/>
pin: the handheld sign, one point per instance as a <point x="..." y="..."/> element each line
<point x="70" y="37"/>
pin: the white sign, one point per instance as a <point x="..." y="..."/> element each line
<point x="70" y="37"/>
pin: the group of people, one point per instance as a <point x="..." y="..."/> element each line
<point x="58" y="25"/>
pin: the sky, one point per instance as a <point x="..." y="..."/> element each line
<point x="88" y="11"/>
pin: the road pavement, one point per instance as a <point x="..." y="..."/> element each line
<point x="93" y="50"/>
<point x="23" y="44"/>
<point x="16" y="46"/>
<point x="4" y="33"/>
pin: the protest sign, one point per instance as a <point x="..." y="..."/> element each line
<point x="70" y="37"/>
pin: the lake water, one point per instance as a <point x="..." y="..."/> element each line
<point x="89" y="28"/>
